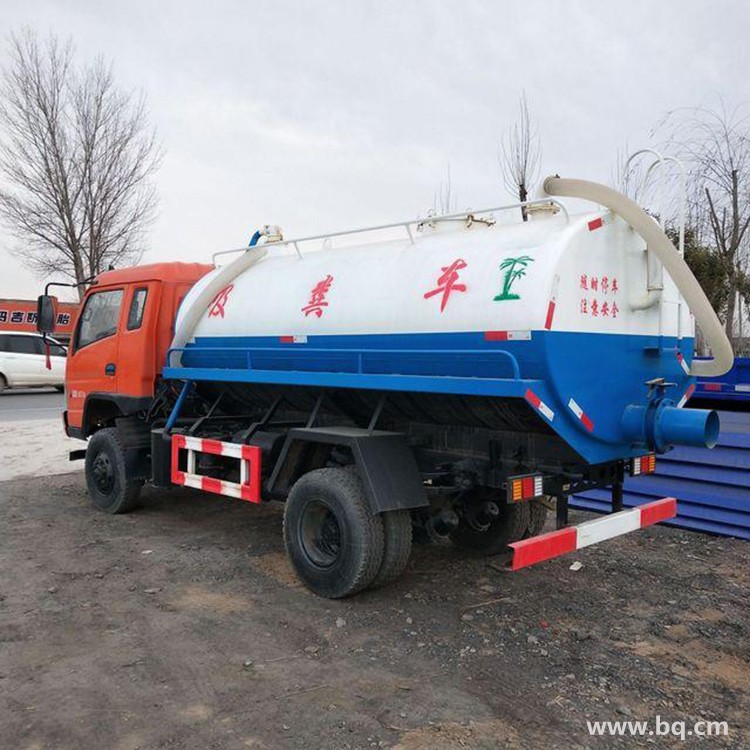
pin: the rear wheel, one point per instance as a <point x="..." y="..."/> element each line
<point x="491" y="538"/>
<point x="334" y="541"/>
<point x="537" y="517"/>
<point x="397" y="535"/>
<point x="3" y="383"/>
<point x="110" y="487"/>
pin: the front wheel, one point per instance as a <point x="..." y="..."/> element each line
<point x="110" y="487"/>
<point x="334" y="541"/>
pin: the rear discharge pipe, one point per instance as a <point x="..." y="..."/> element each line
<point x="665" y="251"/>
<point x="661" y="424"/>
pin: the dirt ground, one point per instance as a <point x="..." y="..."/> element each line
<point x="182" y="626"/>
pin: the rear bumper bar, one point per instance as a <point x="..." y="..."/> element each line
<point x="555" y="543"/>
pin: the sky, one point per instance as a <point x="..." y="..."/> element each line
<point x="321" y="116"/>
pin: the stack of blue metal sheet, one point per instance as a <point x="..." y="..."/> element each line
<point x="733" y="386"/>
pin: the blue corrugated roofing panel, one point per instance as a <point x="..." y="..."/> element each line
<point x="712" y="487"/>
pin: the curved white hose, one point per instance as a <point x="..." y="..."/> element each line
<point x="658" y="242"/>
<point x="198" y="306"/>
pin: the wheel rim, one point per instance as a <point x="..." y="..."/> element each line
<point x="103" y="473"/>
<point x="320" y="534"/>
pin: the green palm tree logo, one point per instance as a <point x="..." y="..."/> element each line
<point x="514" y="269"/>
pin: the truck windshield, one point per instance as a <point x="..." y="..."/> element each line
<point x="99" y="317"/>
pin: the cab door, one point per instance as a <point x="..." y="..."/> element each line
<point x="92" y="362"/>
<point x="137" y="347"/>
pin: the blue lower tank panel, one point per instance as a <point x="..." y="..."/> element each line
<point x="712" y="487"/>
<point x="579" y="384"/>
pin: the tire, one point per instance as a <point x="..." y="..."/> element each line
<point x="110" y="487"/>
<point x="332" y="538"/>
<point x="537" y="517"/>
<point x="397" y="536"/>
<point x="510" y="526"/>
<point x="60" y="388"/>
<point x="3" y="383"/>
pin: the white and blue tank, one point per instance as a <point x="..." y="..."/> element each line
<point x="568" y="318"/>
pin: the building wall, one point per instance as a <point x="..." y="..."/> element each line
<point x="20" y="315"/>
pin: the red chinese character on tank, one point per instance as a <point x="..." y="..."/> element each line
<point x="614" y="286"/>
<point x="584" y="307"/>
<point x="318" y="297"/>
<point x="584" y="282"/>
<point x="594" y="284"/>
<point x="605" y="309"/>
<point x="447" y="282"/>
<point x="594" y="308"/>
<point x="615" y="309"/>
<point x="604" y="284"/>
<point x="216" y="308"/>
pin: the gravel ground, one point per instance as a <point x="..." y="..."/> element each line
<point x="182" y="626"/>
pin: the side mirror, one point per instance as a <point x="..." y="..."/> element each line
<point x="46" y="313"/>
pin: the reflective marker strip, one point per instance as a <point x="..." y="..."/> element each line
<point x="507" y="335"/>
<point x="538" y="404"/>
<point x="599" y="223"/>
<point x="659" y="510"/>
<point x="607" y="527"/>
<point x="555" y="543"/>
<point x="742" y="387"/>
<point x="683" y="364"/>
<point x="552" y="304"/>
<point x="712" y="386"/>
<point x="293" y="339"/>
<point x="248" y="455"/>
<point x="581" y="414"/>
<point x="544" y="547"/>
<point x="688" y="393"/>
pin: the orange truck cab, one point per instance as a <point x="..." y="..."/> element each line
<point x="120" y="343"/>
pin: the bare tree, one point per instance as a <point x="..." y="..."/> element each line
<point x="520" y="154"/>
<point x="444" y="201"/>
<point x="76" y="161"/>
<point x="715" y="146"/>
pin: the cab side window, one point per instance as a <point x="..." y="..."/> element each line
<point x="137" y="306"/>
<point x="99" y="317"/>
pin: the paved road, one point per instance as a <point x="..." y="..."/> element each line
<point x="41" y="403"/>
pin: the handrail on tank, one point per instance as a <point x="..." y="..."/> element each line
<point x="405" y="224"/>
<point x="250" y="350"/>
<point x="661" y="161"/>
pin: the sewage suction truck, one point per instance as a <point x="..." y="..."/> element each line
<point x="453" y="376"/>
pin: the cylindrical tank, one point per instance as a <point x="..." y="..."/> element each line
<point x="483" y="324"/>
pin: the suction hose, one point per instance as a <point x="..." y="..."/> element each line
<point x="641" y="222"/>
<point x="198" y="306"/>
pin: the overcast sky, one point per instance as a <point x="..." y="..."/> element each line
<point x="325" y="115"/>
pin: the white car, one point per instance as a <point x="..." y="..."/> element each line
<point x="23" y="361"/>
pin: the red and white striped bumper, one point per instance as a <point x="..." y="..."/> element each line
<point x="249" y="457"/>
<point x="555" y="543"/>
